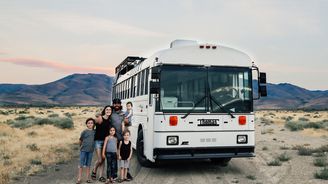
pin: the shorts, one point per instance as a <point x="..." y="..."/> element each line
<point x="123" y="163"/>
<point x="99" y="144"/>
<point x="85" y="159"/>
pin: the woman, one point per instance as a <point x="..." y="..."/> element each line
<point x="102" y="131"/>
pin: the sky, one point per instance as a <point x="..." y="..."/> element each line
<point x="44" y="40"/>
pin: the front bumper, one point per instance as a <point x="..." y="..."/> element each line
<point x="203" y="153"/>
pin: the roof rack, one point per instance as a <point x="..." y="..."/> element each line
<point x="128" y="64"/>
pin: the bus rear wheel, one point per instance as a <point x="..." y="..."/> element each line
<point x="221" y="161"/>
<point x="140" y="151"/>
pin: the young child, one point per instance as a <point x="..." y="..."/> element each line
<point x="124" y="153"/>
<point x="129" y="112"/>
<point x="127" y="116"/>
<point x="109" y="152"/>
<point x="86" y="149"/>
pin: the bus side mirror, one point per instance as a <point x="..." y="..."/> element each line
<point x="154" y="87"/>
<point x="263" y="90"/>
<point x="262" y="78"/>
<point x="155" y="73"/>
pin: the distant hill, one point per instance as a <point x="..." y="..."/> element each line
<point x="288" y="96"/>
<point x="76" y="89"/>
<point x="95" y="89"/>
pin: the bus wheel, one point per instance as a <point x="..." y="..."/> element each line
<point x="221" y="161"/>
<point x="140" y="151"/>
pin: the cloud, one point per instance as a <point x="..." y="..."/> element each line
<point x="3" y="52"/>
<point x="56" y="66"/>
<point x="92" y="25"/>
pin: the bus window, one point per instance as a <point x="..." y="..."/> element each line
<point x="146" y="81"/>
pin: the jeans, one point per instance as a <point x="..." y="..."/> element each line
<point x="85" y="159"/>
<point x="111" y="164"/>
<point x="99" y="144"/>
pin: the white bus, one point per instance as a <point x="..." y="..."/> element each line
<point x="191" y="101"/>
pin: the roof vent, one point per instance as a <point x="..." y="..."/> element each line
<point x="182" y="43"/>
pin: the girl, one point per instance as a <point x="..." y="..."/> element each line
<point x="87" y="147"/>
<point x="124" y="155"/>
<point x="102" y="127"/>
<point x="109" y="152"/>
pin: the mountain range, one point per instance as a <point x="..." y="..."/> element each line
<point x="95" y="89"/>
<point x="76" y="89"/>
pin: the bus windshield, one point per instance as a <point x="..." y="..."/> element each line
<point x="205" y="89"/>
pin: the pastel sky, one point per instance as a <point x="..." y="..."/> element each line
<point x="44" y="40"/>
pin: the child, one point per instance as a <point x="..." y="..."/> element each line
<point x="129" y="112"/>
<point x="109" y="152"/>
<point x="124" y="153"/>
<point x="127" y="116"/>
<point x="86" y="149"/>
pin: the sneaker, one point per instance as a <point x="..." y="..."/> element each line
<point x="129" y="177"/>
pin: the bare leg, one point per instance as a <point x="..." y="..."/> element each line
<point x="88" y="172"/>
<point x="79" y="176"/>
<point x="99" y="163"/>
<point x="122" y="173"/>
<point x="125" y="172"/>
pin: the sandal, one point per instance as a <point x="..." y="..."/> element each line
<point x="120" y="180"/>
<point x="89" y="181"/>
<point x="102" y="179"/>
<point x="78" y="182"/>
<point x="93" y="175"/>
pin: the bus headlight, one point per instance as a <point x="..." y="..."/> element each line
<point x="241" y="139"/>
<point x="172" y="140"/>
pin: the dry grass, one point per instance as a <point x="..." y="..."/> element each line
<point x="28" y="150"/>
<point x="314" y="123"/>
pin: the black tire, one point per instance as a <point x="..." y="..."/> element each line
<point x="221" y="161"/>
<point x="140" y="151"/>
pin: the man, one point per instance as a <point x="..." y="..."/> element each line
<point x="117" y="118"/>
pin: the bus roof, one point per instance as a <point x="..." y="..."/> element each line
<point x="203" y="54"/>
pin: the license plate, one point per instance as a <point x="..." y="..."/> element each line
<point x="208" y="122"/>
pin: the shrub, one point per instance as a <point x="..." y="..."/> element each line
<point x="284" y="157"/>
<point x="69" y="115"/>
<point x="303" y="151"/>
<point x="323" y="174"/>
<point x="36" y="161"/>
<point x="63" y="123"/>
<point x="4" y="112"/>
<point x="274" y="162"/>
<point x="288" y="118"/>
<point x="303" y="119"/>
<point x="284" y="147"/>
<point x="317" y="125"/>
<point x="33" y="147"/>
<point x="53" y="115"/>
<point x="251" y="177"/>
<point x="24" y="117"/>
<point x="32" y="134"/>
<point x="293" y="126"/>
<point x="320" y="162"/>
<point x="319" y="154"/>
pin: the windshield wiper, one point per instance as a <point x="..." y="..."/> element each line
<point x="221" y="107"/>
<point x="194" y="107"/>
<point x="217" y="103"/>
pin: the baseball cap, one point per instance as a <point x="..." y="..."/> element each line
<point x="117" y="101"/>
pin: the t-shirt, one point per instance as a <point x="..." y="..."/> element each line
<point x="129" y="116"/>
<point x="116" y="120"/>
<point x="111" y="145"/>
<point x="102" y="130"/>
<point x="87" y="138"/>
<point x="125" y="150"/>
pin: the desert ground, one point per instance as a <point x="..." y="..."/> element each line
<point x="291" y="147"/>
